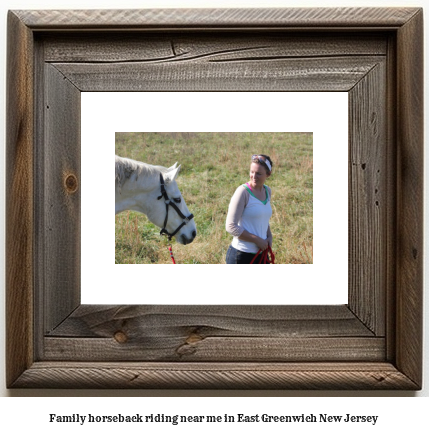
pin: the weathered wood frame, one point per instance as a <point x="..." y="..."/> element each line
<point x="373" y="342"/>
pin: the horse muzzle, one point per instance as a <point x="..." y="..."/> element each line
<point x="183" y="239"/>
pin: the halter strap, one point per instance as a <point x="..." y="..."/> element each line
<point x="168" y="202"/>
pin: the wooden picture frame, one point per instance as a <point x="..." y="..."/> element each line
<point x="373" y="342"/>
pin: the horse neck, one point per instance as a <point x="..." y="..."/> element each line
<point x="147" y="178"/>
<point x="132" y="175"/>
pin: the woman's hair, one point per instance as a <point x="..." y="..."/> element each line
<point x="255" y="159"/>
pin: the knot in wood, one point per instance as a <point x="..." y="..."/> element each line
<point x="120" y="337"/>
<point x="193" y="338"/>
<point x="71" y="183"/>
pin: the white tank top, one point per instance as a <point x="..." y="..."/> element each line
<point x="255" y="219"/>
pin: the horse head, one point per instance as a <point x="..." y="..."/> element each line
<point x="174" y="217"/>
<point x="153" y="190"/>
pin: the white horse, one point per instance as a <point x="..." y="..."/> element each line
<point x="151" y="190"/>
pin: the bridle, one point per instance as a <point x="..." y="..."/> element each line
<point x="168" y="202"/>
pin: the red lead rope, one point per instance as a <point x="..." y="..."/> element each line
<point x="267" y="256"/>
<point x="171" y="254"/>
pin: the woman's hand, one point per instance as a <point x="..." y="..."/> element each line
<point x="262" y="243"/>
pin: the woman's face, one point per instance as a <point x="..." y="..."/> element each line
<point x="258" y="174"/>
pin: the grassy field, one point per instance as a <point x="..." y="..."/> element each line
<point x="213" y="166"/>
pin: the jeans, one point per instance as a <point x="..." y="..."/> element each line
<point x="234" y="256"/>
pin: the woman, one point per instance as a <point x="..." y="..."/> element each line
<point x="249" y="214"/>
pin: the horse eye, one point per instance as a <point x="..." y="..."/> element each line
<point x="177" y="200"/>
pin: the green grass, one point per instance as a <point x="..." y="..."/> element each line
<point x="213" y="166"/>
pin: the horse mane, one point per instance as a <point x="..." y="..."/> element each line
<point x="125" y="168"/>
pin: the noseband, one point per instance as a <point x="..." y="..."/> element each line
<point x="168" y="202"/>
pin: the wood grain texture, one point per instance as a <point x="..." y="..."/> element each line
<point x="19" y="200"/>
<point x="331" y="74"/>
<point x="213" y="333"/>
<point x="368" y="202"/>
<point x="334" y="347"/>
<point x="99" y="321"/>
<point x="61" y="208"/>
<point x="249" y="376"/>
<point x="178" y="47"/>
<point x="290" y="18"/>
<point x="409" y="283"/>
<point x="391" y="190"/>
<point x="193" y="348"/>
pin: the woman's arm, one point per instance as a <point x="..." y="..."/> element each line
<point x="235" y="210"/>
<point x="269" y="236"/>
<point x="250" y="237"/>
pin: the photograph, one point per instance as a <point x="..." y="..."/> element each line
<point x="245" y="205"/>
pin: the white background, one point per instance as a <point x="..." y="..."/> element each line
<point x="398" y="413"/>
<point x="323" y="113"/>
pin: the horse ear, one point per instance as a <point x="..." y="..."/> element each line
<point x="173" y="167"/>
<point x="171" y="175"/>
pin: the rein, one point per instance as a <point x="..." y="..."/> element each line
<point x="267" y="256"/>
<point x="168" y="203"/>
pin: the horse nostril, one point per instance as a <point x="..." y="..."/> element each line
<point x="194" y="233"/>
